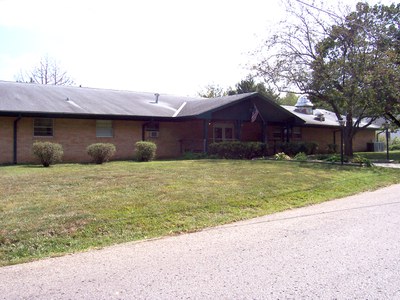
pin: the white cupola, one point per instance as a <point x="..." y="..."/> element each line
<point x="304" y="105"/>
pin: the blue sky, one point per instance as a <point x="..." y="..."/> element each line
<point x="174" y="46"/>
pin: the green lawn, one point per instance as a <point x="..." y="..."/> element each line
<point x="73" y="207"/>
<point x="393" y="155"/>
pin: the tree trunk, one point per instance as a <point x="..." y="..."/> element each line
<point x="348" y="145"/>
<point x="349" y="132"/>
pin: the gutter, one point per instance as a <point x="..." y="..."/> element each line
<point x="15" y="141"/>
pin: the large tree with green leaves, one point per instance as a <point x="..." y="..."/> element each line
<point x="247" y="85"/>
<point x="349" y="62"/>
<point x="356" y="67"/>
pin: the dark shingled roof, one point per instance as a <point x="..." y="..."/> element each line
<point x="29" y="98"/>
<point x="69" y="101"/>
<point x="202" y="105"/>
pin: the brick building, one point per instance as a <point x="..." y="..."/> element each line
<point x="76" y="117"/>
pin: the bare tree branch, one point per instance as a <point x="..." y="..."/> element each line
<point x="48" y="71"/>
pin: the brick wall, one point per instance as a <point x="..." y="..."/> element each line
<point x="251" y="132"/>
<point x="361" y="139"/>
<point x="323" y="136"/>
<point x="173" y="136"/>
<point x="76" y="134"/>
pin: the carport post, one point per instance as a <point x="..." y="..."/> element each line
<point x="205" y="135"/>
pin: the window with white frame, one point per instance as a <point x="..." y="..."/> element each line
<point x="42" y="127"/>
<point x="104" y="128"/>
<point x="223" y="132"/>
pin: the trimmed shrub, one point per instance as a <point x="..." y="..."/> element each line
<point x="301" y="156"/>
<point x="47" y="153"/>
<point x="362" y="161"/>
<point x="145" y="151"/>
<point x="101" y="152"/>
<point x="292" y="148"/>
<point x="282" y="156"/>
<point x="237" y="150"/>
<point x="334" y="158"/>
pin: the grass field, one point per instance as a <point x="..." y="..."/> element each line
<point x="393" y="155"/>
<point x="74" y="207"/>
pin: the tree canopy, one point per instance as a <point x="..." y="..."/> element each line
<point x="247" y="85"/>
<point x="348" y="62"/>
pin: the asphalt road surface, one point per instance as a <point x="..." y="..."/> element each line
<point x="342" y="249"/>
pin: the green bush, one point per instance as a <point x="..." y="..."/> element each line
<point x="361" y="160"/>
<point x="101" y="152"/>
<point x="336" y="158"/>
<point x="237" y="150"/>
<point x="333" y="148"/>
<point x="145" y="151"/>
<point x="301" y="156"/>
<point x="395" y="144"/>
<point x="292" y="148"/>
<point x="394" y="147"/>
<point x="47" y="153"/>
<point x="282" y="156"/>
<point x="193" y="155"/>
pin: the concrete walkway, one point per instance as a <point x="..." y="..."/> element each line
<point x="342" y="249"/>
<point x="388" y="165"/>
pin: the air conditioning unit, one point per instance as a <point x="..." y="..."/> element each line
<point x="153" y="134"/>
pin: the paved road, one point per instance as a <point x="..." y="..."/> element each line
<point x="342" y="249"/>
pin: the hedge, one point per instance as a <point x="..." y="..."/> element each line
<point x="292" y="148"/>
<point x="237" y="150"/>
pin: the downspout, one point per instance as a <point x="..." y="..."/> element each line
<point x="15" y="141"/>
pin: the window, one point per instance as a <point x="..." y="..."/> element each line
<point x="223" y="132"/>
<point x="152" y="129"/>
<point x="104" y="128"/>
<point x="296" y="134"/>
<point x="277" y="133"/>
<point x="42" y="127"/>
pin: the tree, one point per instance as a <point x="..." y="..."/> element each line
<point x="356" y="67"/>
<point x="247" y="85"/>
<point x="212" y="91"/>
<point x="47" y="72"/>
<point x="349" y="62"/>
<point x="289" y="99"/>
